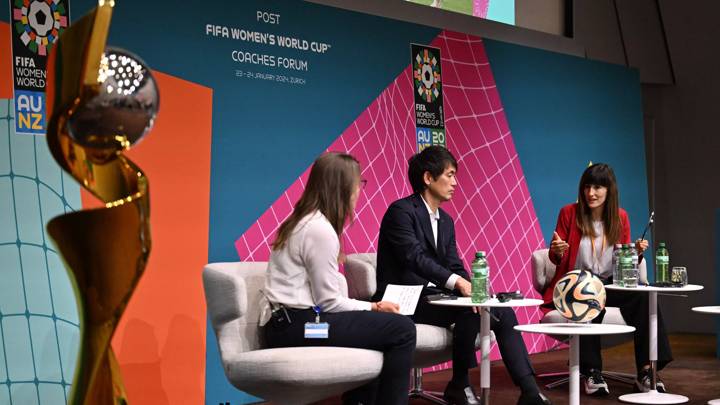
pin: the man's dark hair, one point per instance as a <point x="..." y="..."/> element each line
<point x="434" y="159"/>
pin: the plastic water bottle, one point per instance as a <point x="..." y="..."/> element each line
<point x="480" y="273"/>
<point x="630" y="267"/>
<point x="617" y="276"/>
<point x="662" y="262"/>
<point x="625" y="266"/>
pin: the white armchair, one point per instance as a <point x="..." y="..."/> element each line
<point x="293" y="375"/>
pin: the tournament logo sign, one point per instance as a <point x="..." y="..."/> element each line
<point x="427" y="81"/>
<point x="36" y="25"/>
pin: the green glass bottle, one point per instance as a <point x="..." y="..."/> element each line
<point x="662" y="264"/>
<point x="480" y="273"/>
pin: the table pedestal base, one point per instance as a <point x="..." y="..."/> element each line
<point x="485" y="356"/>
<point x="653" y="397"/>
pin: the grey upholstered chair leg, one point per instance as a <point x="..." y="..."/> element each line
<point x="625" y="378"/>
<point x="417" y="391"/>
<point x="562" y="380"/>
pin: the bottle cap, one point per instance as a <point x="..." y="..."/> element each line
<point x="661" y="244"/>
<point x="626" y="245"/>
<point x="618" y="246"/>
<point x="479" y="254"/>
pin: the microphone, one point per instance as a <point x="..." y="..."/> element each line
<point x="649" y="224"/>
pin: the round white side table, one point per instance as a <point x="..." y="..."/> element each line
<point x="485" y="332"/>
<point x="575" y="330"/>
<point x="653" y="396"/>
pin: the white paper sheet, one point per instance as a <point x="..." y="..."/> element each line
<point x="406" y="296"/>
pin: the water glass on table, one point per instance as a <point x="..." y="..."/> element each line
<point x="630" y="277"/>
<point x="678" y="276"/>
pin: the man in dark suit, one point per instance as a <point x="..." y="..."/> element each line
<point x="417" y="247"/>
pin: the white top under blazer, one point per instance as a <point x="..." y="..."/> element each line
<point x="304" y="273"/>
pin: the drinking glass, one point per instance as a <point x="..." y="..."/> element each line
<point x="630" y="277"/>
<point x="678" y="275"/>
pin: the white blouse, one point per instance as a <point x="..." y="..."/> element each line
<point x="304" y="273"/>
<point x="597" y="258"/>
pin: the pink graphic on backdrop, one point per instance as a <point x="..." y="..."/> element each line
<point x="492" y="207"/>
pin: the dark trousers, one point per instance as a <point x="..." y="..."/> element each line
<point x="391" y="334"/>
<point x="467" y="325"/>
<point x="635" y="310"/>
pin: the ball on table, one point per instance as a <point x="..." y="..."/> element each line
<point x="579" y="296"/>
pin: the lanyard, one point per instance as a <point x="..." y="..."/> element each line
<point x="316" y="308"/>
<point x="596" y="258"/>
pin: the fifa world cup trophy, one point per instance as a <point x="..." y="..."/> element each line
<point x="101" y="101"/>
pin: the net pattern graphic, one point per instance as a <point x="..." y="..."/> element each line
<point x="492" y="207"/>
<point x="39" y="324"/>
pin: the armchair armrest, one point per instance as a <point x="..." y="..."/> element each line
<point x="543" y="269"/>
<point x="360" y="275"/>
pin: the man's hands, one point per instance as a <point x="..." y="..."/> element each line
<point x="558" y="246"/>
<point x="386" y="306"/>
<point x="463" y="286"/>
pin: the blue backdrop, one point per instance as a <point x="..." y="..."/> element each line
<point x="564" y="112"/>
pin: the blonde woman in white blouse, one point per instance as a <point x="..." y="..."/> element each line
<point x="303" y="280"/>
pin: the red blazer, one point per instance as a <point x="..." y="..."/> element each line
<point x="569" y="232"/>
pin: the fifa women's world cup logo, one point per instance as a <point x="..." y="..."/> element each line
<point x="427" y="89"/>
<point x="426" y="74"/>
<point x="39" y="23"/>
<point x="101" y="101"/>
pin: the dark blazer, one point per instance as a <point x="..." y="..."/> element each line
<point x="406" y="248"/>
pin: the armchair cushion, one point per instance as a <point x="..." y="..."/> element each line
<point x="289" y="371"/>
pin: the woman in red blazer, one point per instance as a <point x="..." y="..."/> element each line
<point x="584" y="237"/>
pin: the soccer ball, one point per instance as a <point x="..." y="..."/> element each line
<point x="579" y="296"/>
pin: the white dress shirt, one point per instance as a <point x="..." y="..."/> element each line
<point x="304" y="273"/>
<point x="434" y="218"/>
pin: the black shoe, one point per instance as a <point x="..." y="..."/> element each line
<point x="534" y="399"/>
<point x="595" y="384"/>
<point x="644" y="381"/>
<point x="455" y="395"/>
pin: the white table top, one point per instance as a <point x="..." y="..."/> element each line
<point x="492" y="302"/>
<point x="708" y="310"/>
<point x="647" y="288"/>
<point x="575" y="328"/>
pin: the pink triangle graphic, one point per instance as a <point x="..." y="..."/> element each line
<point x="492" y="207"/>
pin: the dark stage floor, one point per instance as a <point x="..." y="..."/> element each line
<point x="695" y="373"/>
